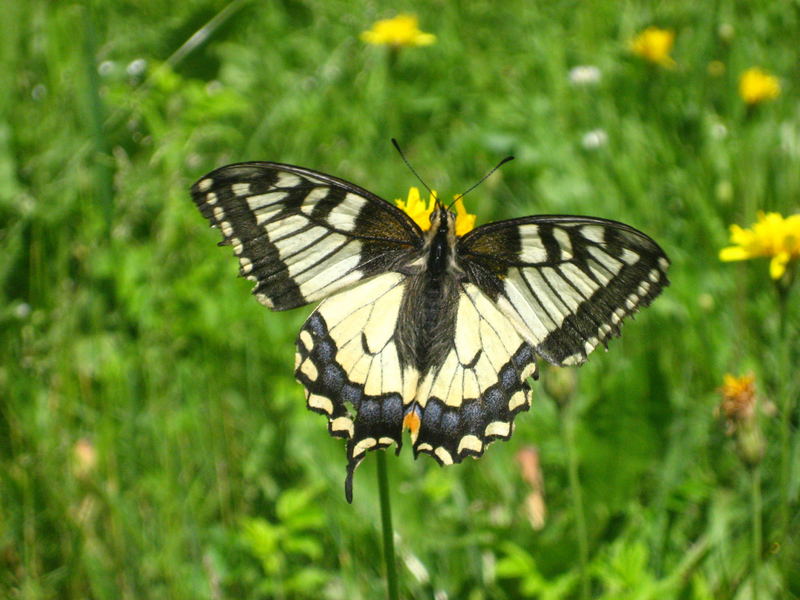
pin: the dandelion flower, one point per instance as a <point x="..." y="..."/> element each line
<point x="398" y="32"/>
<point x="654" y="45"/>
<point x="771" y="236"/>
<point x="757" y="86"/>
<point x="420" y="212"/>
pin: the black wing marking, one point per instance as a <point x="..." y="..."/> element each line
<point x="299" y="234"/>
<point x="566" y="282"/>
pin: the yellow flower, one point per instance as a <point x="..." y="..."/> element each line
<point x="738" y="404"/>
<point x="654" y="45"/>
<point x="756" y="86"/>
<point x="739" y="408"/>
<point x="771" y="236"/>
<point x="416" y="208"/>
<point x="402" y="30"/>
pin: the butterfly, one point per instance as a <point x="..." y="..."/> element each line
<point x="425" y="328"/>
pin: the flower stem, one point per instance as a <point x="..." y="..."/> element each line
<point x="577" y="501"/>
<point x="386" y="523"/>
<point x="784" y="392"/>
<point x="757" y="543"/>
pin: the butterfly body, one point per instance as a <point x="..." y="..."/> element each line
<point x="432" y="288"/>
<point x="418" y="327"/>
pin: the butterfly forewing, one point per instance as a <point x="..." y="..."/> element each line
<point x="299" y="234"/>
<point x="566" y="282"/>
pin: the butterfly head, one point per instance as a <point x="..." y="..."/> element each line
<point x="443" y="220"/>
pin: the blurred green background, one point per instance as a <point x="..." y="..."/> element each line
<point x="153" y="443"/>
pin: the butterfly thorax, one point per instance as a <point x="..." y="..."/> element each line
<point x="440" y="241"/>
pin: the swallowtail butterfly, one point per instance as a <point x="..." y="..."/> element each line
<point x="420" y="328"/>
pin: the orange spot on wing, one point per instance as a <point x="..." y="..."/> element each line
<point x="411" y="422"/>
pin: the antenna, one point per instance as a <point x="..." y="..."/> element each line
<point x="482" y="179"/>
<point x="408" y="164"/>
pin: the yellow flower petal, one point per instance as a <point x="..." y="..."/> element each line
<point x="777" y="266"/>
<point x="465" y="222"/>
<point x="732" y="253"/>
<point x="415" y="208"/>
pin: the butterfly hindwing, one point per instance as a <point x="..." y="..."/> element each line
<point x="301" y="235"/>
<point x="566" y="282"/>
<point x="471" y="398"/>
<point x="348" y="361"/>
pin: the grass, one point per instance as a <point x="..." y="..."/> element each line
<point x="152" y="441"/>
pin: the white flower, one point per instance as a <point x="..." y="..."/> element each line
<point x="585" y="75"/>
<point x="22" y="310"/>
<point x="136" y="67"/>
<point x="39" y="91"/>
<point x="719" y="131"/>
<point x="594" y="139"/>
<point x="106" y="68"/>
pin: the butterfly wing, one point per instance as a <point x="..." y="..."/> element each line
<point x="565" y="282"/>
<point x="301" y="235"/>
<point x="349" y="360"/>
<point x="472" y="392"/>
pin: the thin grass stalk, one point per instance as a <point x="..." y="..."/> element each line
<point x="101" y="159"/>
<point x="386" y="525"/>
<point x="755" y="494"/>
<point x="576" y="491"/>
<point x="199" y="37"/>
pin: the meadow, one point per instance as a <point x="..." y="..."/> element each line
<point x="153" y="441"/>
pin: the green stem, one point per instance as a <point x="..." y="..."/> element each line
<point x="784" y="401"/>
<point x="757" y="542"/>
<point x="577" y="501"/>
<point x="386" y="523"/>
